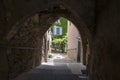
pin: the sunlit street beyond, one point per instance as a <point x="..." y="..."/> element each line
<point x="62" y="59"/>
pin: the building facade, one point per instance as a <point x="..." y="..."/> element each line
<point x="74" y="46"/>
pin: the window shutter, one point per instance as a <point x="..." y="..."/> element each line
<point x="57" y="30"/>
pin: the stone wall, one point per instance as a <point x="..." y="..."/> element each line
<point x="105" y="59"/>
<point x="3" y="64"/>
<point x="25" y="48"/>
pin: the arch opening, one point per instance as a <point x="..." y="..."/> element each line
<point x="64" y="40"/>
<point x="28" y="36"/>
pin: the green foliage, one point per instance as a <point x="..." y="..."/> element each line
<point x="62" y="40"/>
<point x="59" y="41"/>
<point x="50" y="55"/>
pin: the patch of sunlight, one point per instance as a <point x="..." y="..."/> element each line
<point x="51" y="62"/>
<point x="48" y="63"/>
<point x="58" y="56"/>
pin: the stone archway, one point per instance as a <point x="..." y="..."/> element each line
<point x="24" y="9"/>
<point x="98" y="19"/>
<point x="21" y="35"/>
<point x="35" y="27"/>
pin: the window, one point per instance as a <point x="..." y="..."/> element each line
<point x="57" y="30"/>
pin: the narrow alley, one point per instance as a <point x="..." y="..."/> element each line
<point x="59" y="67"/>
<point x="87" y="32"/>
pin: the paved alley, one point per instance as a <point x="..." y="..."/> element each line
<point x="55" y="69"/>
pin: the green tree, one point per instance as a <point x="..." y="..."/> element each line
<point x="61" y="42"/>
